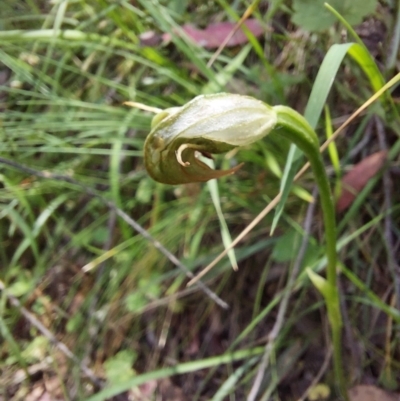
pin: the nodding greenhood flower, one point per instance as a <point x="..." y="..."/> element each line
<point x="218" y="123"/>
<point x="207" y="124"/>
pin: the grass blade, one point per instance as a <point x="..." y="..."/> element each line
<point x="179" y="369"/>
<point x="319" y="93"/>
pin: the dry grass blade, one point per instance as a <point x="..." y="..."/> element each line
<point x="142" y="106"/>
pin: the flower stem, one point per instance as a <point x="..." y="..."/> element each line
<point x="295" y="128"/>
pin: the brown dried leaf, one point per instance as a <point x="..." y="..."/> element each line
<point x="356" y="179"/>
<point x="214" y="34"/>
<point x="211" y="37"/>
<point x="371" y="393"/>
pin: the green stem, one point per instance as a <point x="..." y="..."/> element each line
<point x="296" y="129"/>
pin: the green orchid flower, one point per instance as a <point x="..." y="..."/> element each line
<point x="207" y="124"/>
<point x="218" y="123"/>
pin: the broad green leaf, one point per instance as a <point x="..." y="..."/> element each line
<point x="36" y="350"/>
<point x="135" y="301"/>
<point x="21" y="287"/>
<point x="311" y="15"/>
<point x="119" y="367"/>
<point x="287" y="247"/>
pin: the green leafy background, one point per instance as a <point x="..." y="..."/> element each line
<point x="312" y="15"/>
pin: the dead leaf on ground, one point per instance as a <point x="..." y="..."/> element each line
<point x="170" y="392"/>
<point x="211" y="37"/>
<point x="371" y="393"/>
<point x="356" y="179"/>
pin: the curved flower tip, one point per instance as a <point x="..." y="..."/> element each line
<point x="207" y="124"/>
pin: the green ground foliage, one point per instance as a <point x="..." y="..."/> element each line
<point x="91" y="305"/>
